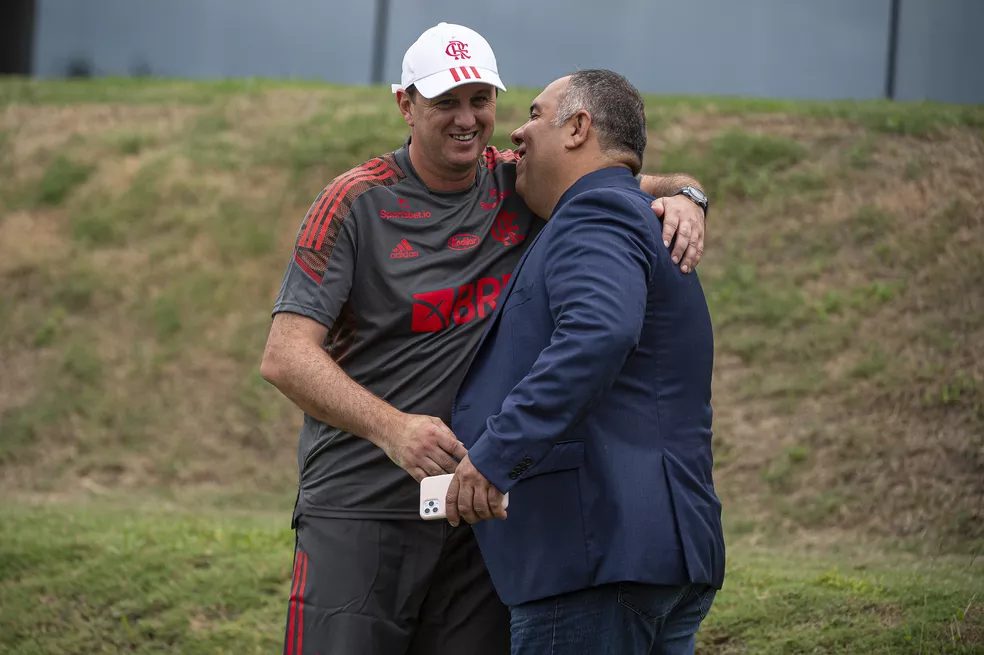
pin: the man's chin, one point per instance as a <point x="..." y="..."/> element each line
<point x="476" y="145"/>
<point x="521" y="184"/>
<point x="464" y="157"/>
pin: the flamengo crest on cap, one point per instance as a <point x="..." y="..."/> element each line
<point x="458" y="50"/>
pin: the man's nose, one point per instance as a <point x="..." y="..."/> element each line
<point x="517" y="136"/>
<point x="465" y="117"/>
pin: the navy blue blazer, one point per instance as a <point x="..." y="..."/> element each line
<point x="588" y="400"/>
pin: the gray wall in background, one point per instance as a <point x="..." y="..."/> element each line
<point x="784" y="48"/>
<point x="310" y="39"/>
<point x="941" y="51"/>
<point x="768" y="48"/>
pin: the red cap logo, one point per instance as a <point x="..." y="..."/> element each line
<point x="458" y="50"/>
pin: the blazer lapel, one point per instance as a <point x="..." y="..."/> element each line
<point x="501" y="301"/>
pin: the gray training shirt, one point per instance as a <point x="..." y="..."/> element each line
<point x="405" y="279"/>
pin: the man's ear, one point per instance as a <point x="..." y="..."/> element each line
<point x="579" y="127"/>
<point x="405" y="103"/>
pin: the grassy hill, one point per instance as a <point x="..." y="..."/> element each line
<point x="144" y="226"/>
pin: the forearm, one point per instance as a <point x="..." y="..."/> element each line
<point x="660" y="186"/>
<point x="310" y="378"/>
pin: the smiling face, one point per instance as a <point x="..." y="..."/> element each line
<point x="540" y="145"/>
<point x="449" y="132"/>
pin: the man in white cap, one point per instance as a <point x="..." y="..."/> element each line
<point x="397" y="267"/>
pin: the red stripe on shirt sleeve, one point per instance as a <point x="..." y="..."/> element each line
<point x="313" y="274"/>
<point x="340" y="185"/>
<point x="384" y="174"/>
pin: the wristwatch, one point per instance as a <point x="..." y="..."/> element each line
<point x="695" y="194"/>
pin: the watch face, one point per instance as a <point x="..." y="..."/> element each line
<point x="695" y="193"/>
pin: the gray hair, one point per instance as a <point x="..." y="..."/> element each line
<point x="616" y="109"/>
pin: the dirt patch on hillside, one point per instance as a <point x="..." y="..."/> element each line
<point x="40" y="131"/>
<point x="39" y="229"/>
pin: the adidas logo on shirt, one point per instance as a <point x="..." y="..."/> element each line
<point x="403" y="250"/>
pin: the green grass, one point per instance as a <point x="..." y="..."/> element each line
<point x="737" y="164"/>
<point x="61" y="176"/>
<point x="778" y="601"/>
<point x="920" y="119"/>
<point x="859" y="155"/>
<point x="131" y="143"/>
<point x="96" y="228"/>
<point x="109" y="577"/>
<point x="139" y="91"/>
<point x="88" y="580"/>
<point x="25" y="425"/>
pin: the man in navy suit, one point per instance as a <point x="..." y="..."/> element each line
<point x="588" y="401"/>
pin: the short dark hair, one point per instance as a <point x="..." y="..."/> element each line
<point x="616" y="108"/>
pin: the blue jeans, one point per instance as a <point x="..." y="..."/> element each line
<point x="624" y="618"/>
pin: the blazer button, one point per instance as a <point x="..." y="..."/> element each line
<point x="513" y="475"/>
<point x="527" y="461"/>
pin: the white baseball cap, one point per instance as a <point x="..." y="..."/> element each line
<point x="446" y="56"/>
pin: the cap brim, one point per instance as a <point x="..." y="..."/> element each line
<point x="445" y="80"/>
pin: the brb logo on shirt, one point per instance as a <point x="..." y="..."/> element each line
<point x="434" y="311"/>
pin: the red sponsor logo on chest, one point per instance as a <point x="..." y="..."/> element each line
<point x="403" y="212"/>
<point x="438" y="310"/>
<point x="463" y="242"/>
<point x="403" y="250"/>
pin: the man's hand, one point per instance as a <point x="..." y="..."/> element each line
<point x="423" y="446"/>
<point x="685" y="219"/>
<point x="472" y="497"/>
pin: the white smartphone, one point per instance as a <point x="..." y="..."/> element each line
<point x="433" y="491"/>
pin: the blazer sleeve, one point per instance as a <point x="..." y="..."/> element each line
<point x="597" y="273"/>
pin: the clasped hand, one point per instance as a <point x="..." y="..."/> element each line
<point x="425" y="446"/>
<point x="472" y="497"/>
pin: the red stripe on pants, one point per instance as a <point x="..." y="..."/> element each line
<point x="292" y="618"/>
<point x="300" y="608"/>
